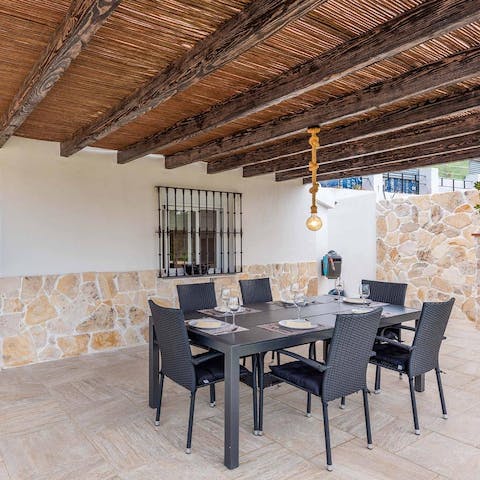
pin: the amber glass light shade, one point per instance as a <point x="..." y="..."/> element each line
<point x="314" y="222"/>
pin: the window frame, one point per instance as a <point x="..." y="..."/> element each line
<point x="226" y="233"/>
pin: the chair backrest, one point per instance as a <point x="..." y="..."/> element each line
<point x="172" y="339"/>
<point x="349" y="353"/>
<point x="387" y="292"/>
<point x="429" y="336"/>
<point x="256" y="291"/>
<point x="196" y="296"/>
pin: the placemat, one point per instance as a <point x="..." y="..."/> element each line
<point x="277" y="328"/>
<point x="211" y="312"/>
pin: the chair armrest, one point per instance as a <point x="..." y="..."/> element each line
<point x="394" y="342"/>
<point x="406" y="327"/>
<point x="321" y="367"/>
<point x="203" y="357"/>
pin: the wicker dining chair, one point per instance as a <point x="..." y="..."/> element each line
<point x="343" y="373"/>
<point x="196" y="296"/>
<point x="256" y="290"/>
<point x="420" y="357"/>
<point x="388" y="292"/>
<point x="179" y="365"/>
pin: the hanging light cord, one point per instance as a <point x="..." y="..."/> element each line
<point x="313" y="166"/>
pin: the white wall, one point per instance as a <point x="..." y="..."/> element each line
<point x="352" y="234"/>
<point x="86" y="213"/>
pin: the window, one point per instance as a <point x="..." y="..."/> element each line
<point x="200" y="232"/>
<point x="401" y="182"/>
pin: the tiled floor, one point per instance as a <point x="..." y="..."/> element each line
<point x="87" y="418"/>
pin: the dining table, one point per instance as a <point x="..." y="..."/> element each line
<point x="256" y="333"/>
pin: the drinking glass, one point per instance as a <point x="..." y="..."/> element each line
<point x="300" y="301"/>
<point x="364" y="290"/>
<point x="339" y="288"/>
<point x="234" y="307"/>
<point x="225" y="296"/>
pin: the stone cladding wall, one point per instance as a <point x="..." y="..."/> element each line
<point x="427" y="242"/>
<point x="55" y="316"/>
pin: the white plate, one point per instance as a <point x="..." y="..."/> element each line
<point x="361" y="310"/>
<point x="221" y="309"/>
<point x="206" y="323"/>
<point x="296" y="325"/>
<point x="356" y="301"/>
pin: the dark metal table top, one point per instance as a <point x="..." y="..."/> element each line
<point x="256" y="339"/>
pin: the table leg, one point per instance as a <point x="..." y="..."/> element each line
<point x="153" y="366"/>
<point x="419" y="379"/>
<point x="232" y="382"/>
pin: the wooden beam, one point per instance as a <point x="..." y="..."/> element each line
<point x="81" y="22"/>
<point x="416" y="135"/>
<point x="258" y="21"/>
<point x="431" y="19"/>
<point x="389" y="122"/>
<point x="426" y="161"/>
<point x="448" y="71"/>
<point x="433" y="148"/>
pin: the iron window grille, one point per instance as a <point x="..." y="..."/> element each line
<point x="199" y="232"/>
<point x="401" y="182"/>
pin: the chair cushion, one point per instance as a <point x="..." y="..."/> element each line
<point x="390" y="356"/>
<point x="212" y="370"/>
<point x="301" y="375"/>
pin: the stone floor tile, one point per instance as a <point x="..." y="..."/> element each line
<point x="55" y="448"/>
<point x="304" y="436"/>
<point x="130" y="444"/>
<point x="464" y="428"/>
<point x="353" y="461"/>
<point x="445" y="456"/>
<point x="30" y="414"/>
<point x="272" y="462"/>
<point x="3" y="472"/>
<point x="177" y="466"/>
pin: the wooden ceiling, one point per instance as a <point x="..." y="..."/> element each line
<point x="392" y="83"/>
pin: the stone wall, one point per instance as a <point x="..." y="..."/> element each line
<point x="426" y="241"/>
<point x="55" y="316"/>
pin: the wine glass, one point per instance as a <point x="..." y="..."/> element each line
<point x="339" y="288"/>
<point x="234" y="307"/>
<point x="300" y="301"/>
<point x="225" y="296"/>
<point x="364" y="290"/>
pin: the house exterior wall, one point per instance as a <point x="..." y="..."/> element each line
<point x="78" y="247"/>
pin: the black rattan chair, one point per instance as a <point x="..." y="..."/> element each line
<point x="256" y="291"/>
<point x="388" y="292"/>
<point x="178" y="364"/>
<point x="196" y="296"/>
<point x="421" y="356"/>
<point x="343" y="373"/>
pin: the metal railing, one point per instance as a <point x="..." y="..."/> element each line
<point x="452" y="184"/>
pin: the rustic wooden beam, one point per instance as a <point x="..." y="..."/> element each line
<point x="429" y="20"/>
<point x="258" y="21"/>
<point x="81" y="22"/>
<point x="426" y="161"/>
<point x="453" y="144"/>
<point x="416" y="135"/>
<point x="389" y="122"/>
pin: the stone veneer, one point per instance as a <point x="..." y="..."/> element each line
<point x="426" y="241"/>
<point x="55" y="316"/>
